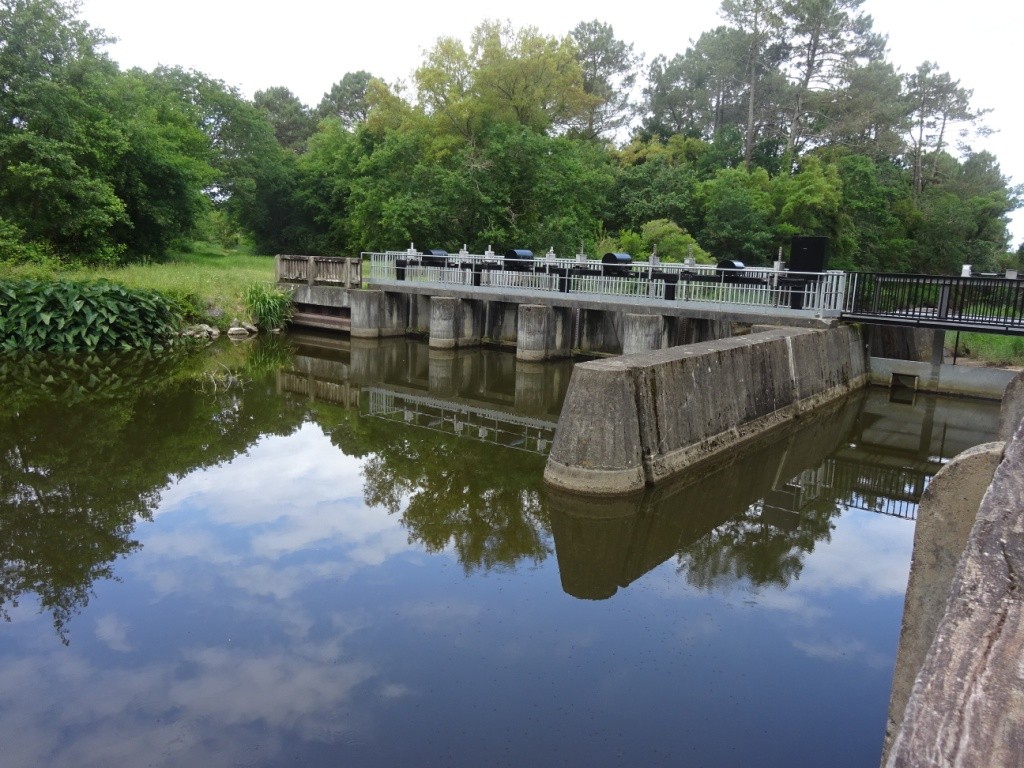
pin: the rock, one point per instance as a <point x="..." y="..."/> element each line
<point x="237" y="332"/>
<point x="250" y="328"/>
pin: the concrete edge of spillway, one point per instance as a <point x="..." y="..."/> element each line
<point x="639" y="419"/>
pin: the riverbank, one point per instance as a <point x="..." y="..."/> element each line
<point x="207" y="281"/>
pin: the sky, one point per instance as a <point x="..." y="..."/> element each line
<point x="308" y="45"/>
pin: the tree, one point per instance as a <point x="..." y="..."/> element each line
<point x="760" y="21"/>
<point x="347" y="99"/>
<point x="508" y="75"/>
<point x="94" y="163"/>
<point x="292" y="121"/>
<point x="869" y="115"/>
<point x="255" y="179"/>
<point x="826" y="39"/>
<point x="876" y="204"/>
<point x="673" y="243"/>
<point x="609" y="73"/>
<point x="698" y="93"/>
<point x="738" y="216"/>
<point x="936" y="102"/>
<point x="808" y="201"/>
<point x="657" y="181"/>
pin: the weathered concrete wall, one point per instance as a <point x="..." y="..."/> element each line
<point x="636" y="420"/>
<point x="501" y="322"/>
<point x="967" y="704"/>
<point x="318" y="295"/>
<point x="897" y="342"/>
<point x="973" y="381"/>
<point x="643" y="333"/>
<point x="945" y="516"/>
<point x="455" y="322"/>
<point x="1012" y="411"/>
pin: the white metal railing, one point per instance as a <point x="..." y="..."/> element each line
<point x="818" y="293"/>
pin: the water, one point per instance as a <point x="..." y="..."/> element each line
<point x="323" y="554"/>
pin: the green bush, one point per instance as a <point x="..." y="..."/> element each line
<point x="268" y="307"/>
<point x="67" y="316"/>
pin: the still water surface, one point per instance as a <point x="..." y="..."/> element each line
<point x="310" y="553"/>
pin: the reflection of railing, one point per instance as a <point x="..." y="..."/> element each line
<point x="507" y="429"/>
<point x="321" y="390"/>
<point x="893" y="491"/>
<point x="817" y="293"/>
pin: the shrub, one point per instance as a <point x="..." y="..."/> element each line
<point x="268" y="307"/>
<point x="68" y="316"/>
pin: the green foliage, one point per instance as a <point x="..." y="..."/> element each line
<point x="96" y="165"/>
<point x="347" y="100"/>
<point x="991" y="348"/>
<point x="738" y="216"/>
<point x="785" y="120"/>
<point x="672" y="241"/>
<point x="16" y="248"/>
<point x="293" y="123"/>
<point x="67" y="316"/>
<point x="269" y="307"/>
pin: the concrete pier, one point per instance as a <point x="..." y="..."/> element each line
<point x="636" y="420"/>
<point x="643" y="333"/>
<point x="378" y="314"/>
<point x="454" y="322"/>
<point x="544" y="333"/>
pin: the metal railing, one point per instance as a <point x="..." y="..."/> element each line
<point x="816" y="293"/>
<point x="938" y="301"/>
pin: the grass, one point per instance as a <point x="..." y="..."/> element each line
<point x="208" y="279"/>
<point x="990" y="348"/>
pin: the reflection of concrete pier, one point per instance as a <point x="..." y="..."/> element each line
<point x="603" y="544"/>
<point x="505" y="401"/>
<point x="851" y="457"/>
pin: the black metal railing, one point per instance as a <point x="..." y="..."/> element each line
<point x="986" y="303"/>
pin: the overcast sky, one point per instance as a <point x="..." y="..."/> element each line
<point x="307" y="45"/>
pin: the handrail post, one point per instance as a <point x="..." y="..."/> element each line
<point x="943" y="308"/>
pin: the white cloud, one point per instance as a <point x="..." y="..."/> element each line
<point x="113" y="631"/>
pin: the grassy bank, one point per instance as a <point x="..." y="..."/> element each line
<point x="989" y="348"/>
<point x="208" y="280"/>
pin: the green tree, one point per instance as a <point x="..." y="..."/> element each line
<point x="739" y="216"/>
<point x="95" y="163"/>
<point x="826" y="39"/>
<point x="507" y="75"/>
<point x="876" y="204"/>
<point x="293" y="123"/>
<point x="761" y="23"/>
<point x="610" y="70"/>
<point x="700" y="92"/>
<point x="936" y="103"/>
<point x="347" y="99"/>
<point x="256" y="179"/>
<point x="808" y="201"/>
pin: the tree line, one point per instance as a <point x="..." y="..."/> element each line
<point x="787" y="119"/>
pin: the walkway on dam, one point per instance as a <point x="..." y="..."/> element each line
<point x="773" y="295"/>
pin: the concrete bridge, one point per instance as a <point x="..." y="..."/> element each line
<point x="549" y="307"/>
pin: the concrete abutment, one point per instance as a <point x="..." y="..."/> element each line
<point x="663" y="411"/>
